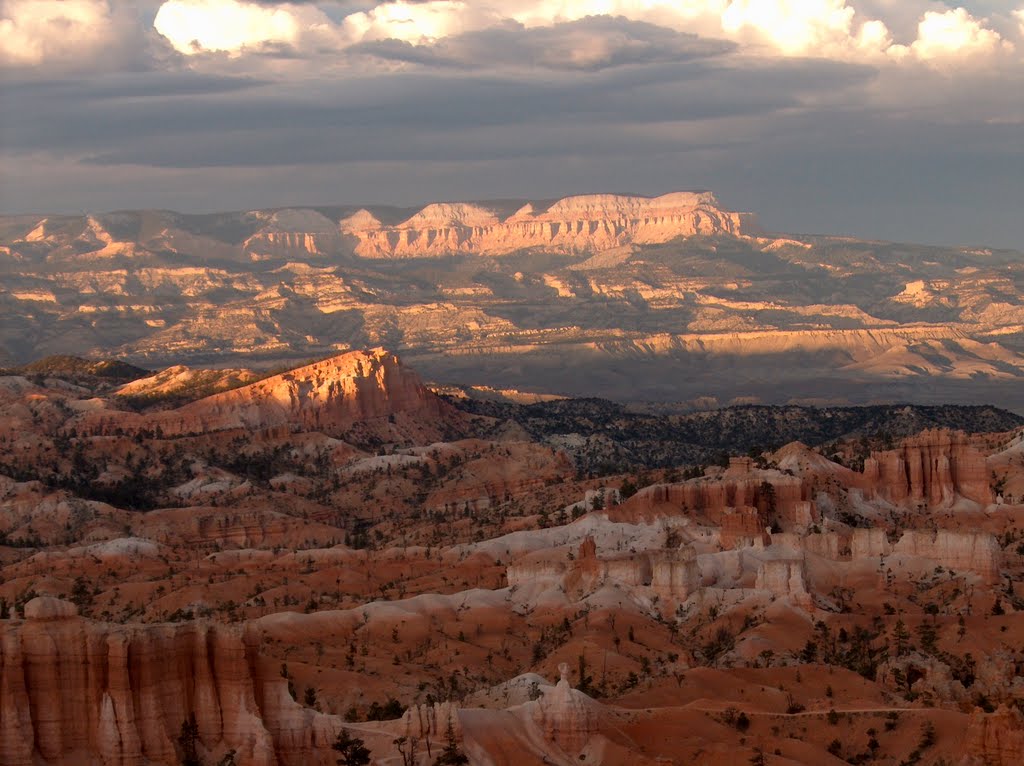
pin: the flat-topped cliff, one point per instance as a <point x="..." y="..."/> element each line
<point x="593" y="222"/>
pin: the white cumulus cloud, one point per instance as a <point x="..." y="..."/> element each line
<point x="36" y="31"/>
<point x="849" y="30"/>
<point x="954" y="33"/>
<point x="416" y="22"/>
<point x="193" y="26"/>
<point x="792" y="26"/>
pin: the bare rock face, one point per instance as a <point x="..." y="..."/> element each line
<point x="565" y="715"/>
<point x="432" y="721"/>
<point x="995" y="739"/>
<point x="868" y="543"/>
<point x="742" y="500"/>
<point x="331" y="396"/>
<point x="46" y="608"/>
<point x="672" y="574"/>
<point x="72" y="691"/>
<point x="675" y="574"/>
<point x="929" y="470"/>
<point x="287" y="232"/>
<point x="574" y="224"/>
<point x="327" y="396"/>
<point x="977" y="552"/>
<point x="786" y="577"/>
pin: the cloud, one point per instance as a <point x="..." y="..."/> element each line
<point x="800" y="27"/>
<point x="954" y="33"/>
<point x="789" y="108"/>
<point x="592" y="43"/>
<point x="416" y="22"/>
<point x="36" y="31"/>
<point x="197" y="26"/>
<point x="418" y="115"/>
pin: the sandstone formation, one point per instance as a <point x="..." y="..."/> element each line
<point x="45" y="609"/>
<point x="330" y="397"/>
<point x="743" y="501"/>
<point x="785" y="577"/>
<point x="930" y="470"/>
<point x="671" y="574"/>
<point x="565" y="715"/>
<point x="308" y="554"/>
<point x="977" y="552"/>
<point x="994" y="739"/>
<point x="574" y="224"/>
<point x="76" y="692"/>
<point x="680" y="290"/>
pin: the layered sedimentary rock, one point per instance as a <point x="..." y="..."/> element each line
<point x="977" y="552"/>
<point x="242" y="529"/>
<point x="743" y="501"/>
<point x="585" y="223"/>
<point x="287" y="232"/>
<point x="329" y="396"/>
<point x="565" y="715"/>
<point x="673" y="574"/>
<point x="784" y="577"/>
<point x="326" y="396"/>
<point x="929" y="470"/>
<point x="995" y="739"/>
<point x="73" y="691"/>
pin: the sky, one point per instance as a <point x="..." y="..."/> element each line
<point x="888" y="119"/>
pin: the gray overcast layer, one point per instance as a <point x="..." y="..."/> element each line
<point x="925" y="144"/>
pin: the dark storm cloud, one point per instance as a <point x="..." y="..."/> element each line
<point x="596" y="42"/>
<point x="226" y="122"/>
<point x="151" y="85"/>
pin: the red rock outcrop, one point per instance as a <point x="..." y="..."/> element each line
<point x="566" y="715"/>
<point x="331" y="396"/>
<point x="743" y="501"/>
<point x="929" y="470"/>
<point x="977" y="552"/>
<point x="672" y="574"/>
<point x="574" y="224"/>
<point x="243" y="528"/>
<point x="995" y="739"/>
<point x="784" y="577"/>
<point x="73" y="691"/>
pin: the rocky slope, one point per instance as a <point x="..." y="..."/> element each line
<point x="673" y="298"/>
<point x="366" y="390"/>
<point x="270" y="572"/>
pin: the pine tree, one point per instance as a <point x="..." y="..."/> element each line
<point x="901" y="636"/>
<point x="187" y="739"/>
<point x="353" y="751"/>
<point x="451" y="755"/>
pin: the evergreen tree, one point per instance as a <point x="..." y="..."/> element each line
<point x="187" y="740"/>
<point x="451" y="755"/>
<point x="353" y="751"/>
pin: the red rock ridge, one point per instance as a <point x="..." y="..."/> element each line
<point x="330" y="396"/>
<point x="574" y="224"/>
<point x="931" y="469"/>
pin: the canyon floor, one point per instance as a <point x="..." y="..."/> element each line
<point x="534" y="580"/>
